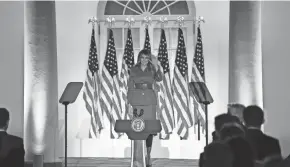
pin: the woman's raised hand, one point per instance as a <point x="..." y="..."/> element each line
<point x="154" y="61"/>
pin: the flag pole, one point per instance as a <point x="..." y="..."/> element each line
<point x="147" y="20"/>
<point x="180" y="21"/>
<point x="163" y="20"/>
<point x="130" y="21"/>
<point x="199" y="20"/>
<point x="93" y="20"/>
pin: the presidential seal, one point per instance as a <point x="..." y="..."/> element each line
<point x="138" y="125"/>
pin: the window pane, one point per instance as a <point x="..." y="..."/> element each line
<point x="146" y="4"/>
<point x="163" y="12"/>
<point x="174" y="37"/>
<point x="136" y="52"/>
<point x="140" y="4"/>
<point x="135" y="35"/>
<point x="119" y="54"/>
<point x="133" y="6"/>
<point x="118" y="37"/>
<point x="156" y="38"/>
<point x="171" y="58"/>
<point x="160" y="5"/>
<point x="169" y="2"/>
<point x="179" y="8"/>
<point x="112" y="8"/>
<point x="184" y="30"/>
<point x="123" y="2"/>
<point x="152" y="4"/>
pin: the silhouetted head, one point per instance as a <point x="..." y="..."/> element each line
<point x="231" y="130"/>
<point x="4" y="118"/>
<point x="253" y="116"/>
<point x="236" y="109"/>
<point x="242" y="151"/>
<point x="218" y="154"/>
<point x="222" y="119"/>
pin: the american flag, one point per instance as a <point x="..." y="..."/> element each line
<point x="165" y="107"/>
<point x="180" y="89"/>
<point x="127" y="63"/>
<point x="147" y="45"/>
<point x="91" y="91"/>
<point x="110" y="95"/>
<point x="198" y="75"/>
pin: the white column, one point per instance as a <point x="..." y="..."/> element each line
<point x="245" y="55"/>
<point x="40" y="92"/>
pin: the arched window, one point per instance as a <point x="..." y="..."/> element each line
<point x="153" y="7"/>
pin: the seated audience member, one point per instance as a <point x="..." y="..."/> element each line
<point x="218" y="154"/>
<point x="242" y="152"/>
<point x="231" y="130"/>
<point x="285" y="162"/>
<point x="264" y="146"/>
<point x="233" y="134"/>
<point x="236" y="109"/>
<point x="11" y="147"/>
<point x="220" y="120"/>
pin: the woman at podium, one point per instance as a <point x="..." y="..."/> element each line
<point x="141" y="94"/>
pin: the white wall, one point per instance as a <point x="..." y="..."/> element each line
<point x="276" y="79"/>
<point x="11" y="63"/>
<point x="73" y="37"/>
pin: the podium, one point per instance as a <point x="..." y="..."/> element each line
<point x="137" y="131"/>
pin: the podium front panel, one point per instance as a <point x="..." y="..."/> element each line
<point x="152" y="126"/>
<point x="123" y="126"/>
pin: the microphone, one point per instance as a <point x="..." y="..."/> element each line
<point x="138" y="114"/>
<point x="135" y="112"/>
<point x="141" y="112"/>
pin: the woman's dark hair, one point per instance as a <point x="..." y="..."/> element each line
<point x="146" y="52"/>
<point x="143" y="52"/>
